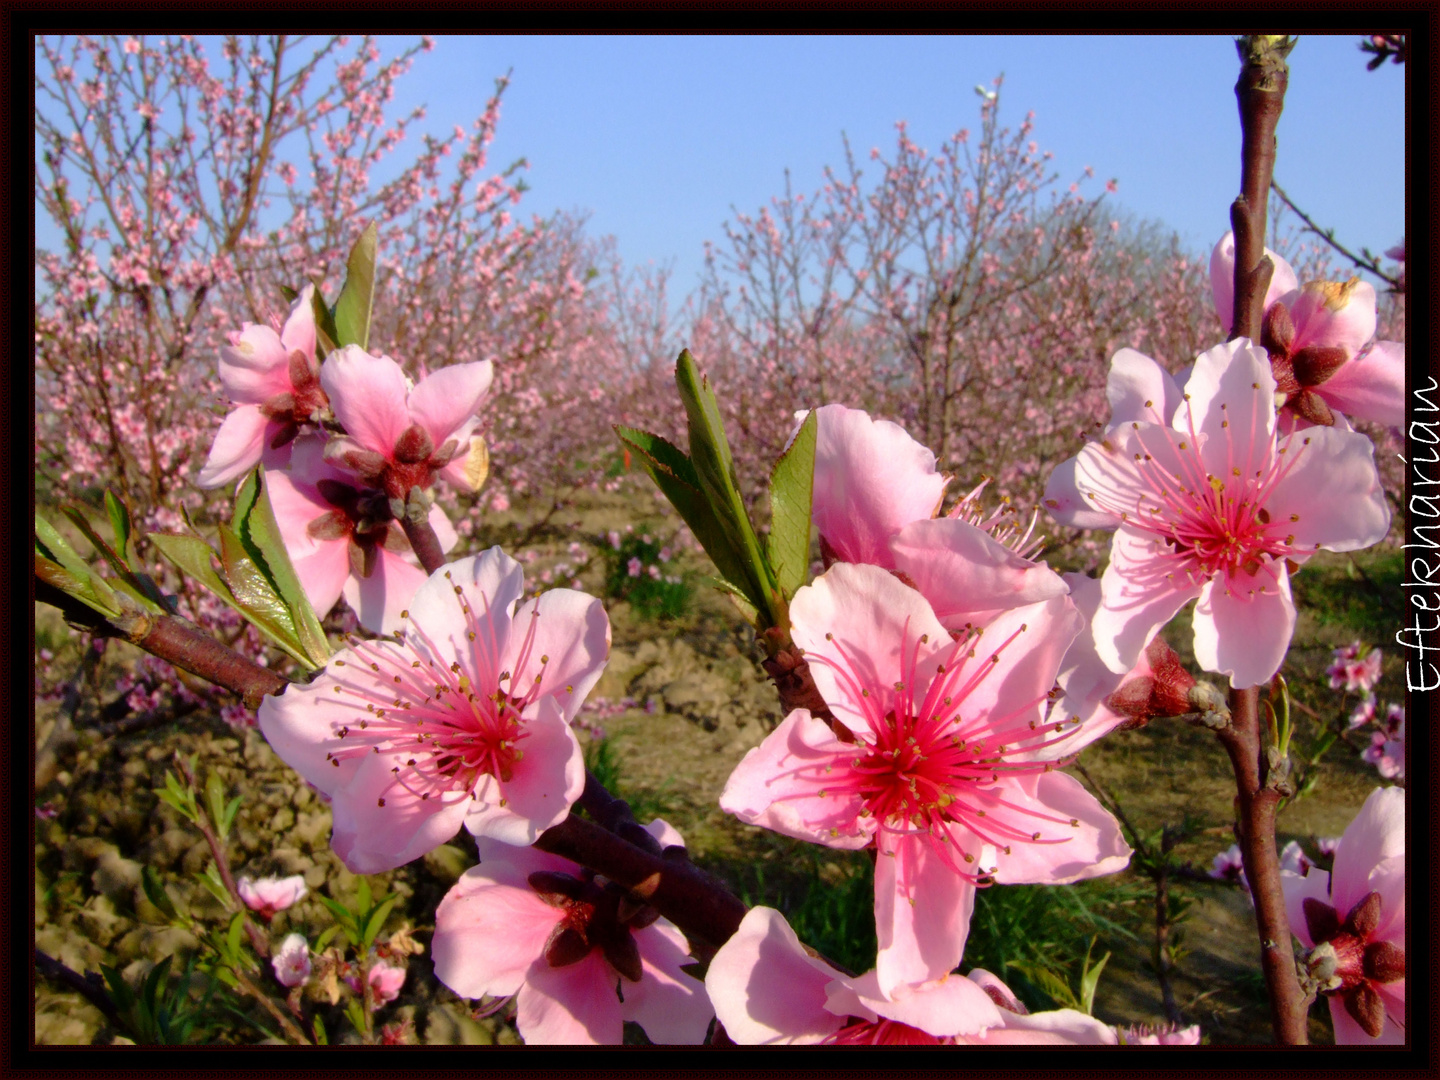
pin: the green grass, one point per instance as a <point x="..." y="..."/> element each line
<point x="1361" y="593"/>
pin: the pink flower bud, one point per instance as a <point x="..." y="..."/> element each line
<point x="269" y="895"/>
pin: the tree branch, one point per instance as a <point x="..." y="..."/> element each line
<point x="1328" y="235"/>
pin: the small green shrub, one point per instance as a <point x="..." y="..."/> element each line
<point x="643" y="573"/>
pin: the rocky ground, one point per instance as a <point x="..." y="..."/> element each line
<point x="698" y="706"/>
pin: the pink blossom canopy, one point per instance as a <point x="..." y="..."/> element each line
<point x="535" y="925"/>
<point x="951" y="773"/>
<point x="463" y="718"/>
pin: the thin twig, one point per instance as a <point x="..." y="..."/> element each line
<point x="89" y="986"/>
<point x="1328" y="235"/>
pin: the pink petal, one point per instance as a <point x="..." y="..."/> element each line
<point x="256" y="367"/>
<point x="668" y="1003"/>
<point x="299" y="329"/>
<point x="1231" y="398"/>
<point x="764" y="987"/>
<point x="1222" y="280"/>
<point x="545" y="784"/>
<point x="323" y="573"/>
<point x="321" y="565"/>
<point x="1242" y="632"/>
<point x="367" y="394"/>
<point x="950" y="1005"/>
<point x="1066" y="503"/>
<point x="966" y="574"/>
<point x="487" y="934"/>
<point x="1067" y="1027"/>
<point x="370" y="838"/>
<point x="993" y="987"/>
<point x="492" y="583"/>
<point x="238" y="446"/>
<point x="1093" y="848"/>
<point x="444" y="400"/>
<point x="1140" y="389"/>
<point x="871" y="480"/>
<point x="1376" y="834"/>
<point x="870" y="613"/>
<point x="1333" y="489"/>
<point x="666" y="833"/>
<point x="1137" y="598"/>
<point x="1388" y="879"/>
<point x="1328" y="313"/>
<point x="390" y="589"/>
<point x="574" y="1005"/>
<point x="1371" y="386"/>
<point x="1349" y="1033"/>
<point x="777" y="785"/>
<point x="444" y="531"/>
<point x="1298" y="888"/>
<point x="454" y="472"/>
<point x="922" y="913"/>
<point x="300" y="724"/>
<point x="1084" y="678"/>
<point x="571" y="630"/>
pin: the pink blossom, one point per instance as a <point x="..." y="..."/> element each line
<point x="1316" y="336"/>
<point x="1353" y="922"/>
<point x="292" y="961"/>
<point x="922" y="710"/>
<point x="399" y="437"/>
<point x="268" y="895"/>
<point x="876" y="494"/>
<point x="1387" y="746"/>
<point x="1215" y="506"/>
<point x="633" y="567"/>
<point x="385" y="982"/>
<point x="767" y="989"/>
<point x="1228" y="866"/>
<point x="1164" y="1035"/>
<point x="1356" y="667"/>
<point x="342" y="540"/>
<point x="464" y="717"/>
<point x="1327" y="845"/>
<point x="273" y="380"/>
<point x="535" y="925"/>
<point x="1364" y="712"/>
<point x="1294" y="859"/>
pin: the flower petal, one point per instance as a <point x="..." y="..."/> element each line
<point x="545" y="784"/>
<point x="780" y="785"/>
<point x="571" y="632"/>
<point x="966" y="574"/>
<point x="1090" y="849"/>
<point x="379" y="823"/>
<point x="949" y="1005"/>
<point x="491" y="583"/>
<point x="238" y="447"/>
<point x="1241" y="631"/>
<point x="668" y="1003"/>
<point x="444" y="400"/>
<point x="488" y="933"/>
<point x="1067" y="1027"/>
<point x="1283" y="281"/>
<point x="871" y="480"/>
<point x="1230" y="400"/>
<point x="574" y="1005"/>
<point x="1067" y="504"/>
<point x="1376" y="834"/>
<point x="1331" y="313"/>
<point x="922" y="913"/>
<point x="1313" y="885"/>
<point x="1388" y="879"/>
<point x="764" y="987"/>
<point x="1371" y="386"/>
<point x="1350" y="1033"/>
<point x="870" y="613"/>
<point x="255" y="366"/>
<point x="1140" y="389"/>
<point x="1084" y="678"/>
<point x="1333" y="489"/>
<point x="367" y="394"/>
<point x="299" y="329"/>
<point x="390" y="589"/>
<point x="1137" y="597"/>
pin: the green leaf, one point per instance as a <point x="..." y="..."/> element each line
<point x="344" y="917"/>
<point x="215" y="800"/>
<point x="362" y="901"/>
<point x="153" y="983"/>
<point x="120" y="525"/>
<point x="90" y="589"/>
<point x="53" y="546"/>
<point x="324" y="938"/>
<point x="378" y="914"/>
<point x="714" y="465"/>
<point x="675" y="476"/>
<point x="120" y="991"/>
<point x="232" y="939"/>
<point x="1089" y="980"/>
<point x="157" y="894"/>
<point x="227" y="817"/>
<point x="790" y="490"/>
<point x="319" y="1028"/>
<point x="325" y="333"/>
<point x="191" y="555"/>
<point x="255" y="525"/>
<point x="1050" y="983"/>
<point x="289" y="294"/>
<point x="355" y="1013"/>
<point x="352" y="307"/>
<point x="211" y="880"/>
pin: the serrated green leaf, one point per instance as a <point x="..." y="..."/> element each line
<point x="215" y="801"/>
<point x="675" y="476"/>
<point x="91" y="590"/>
<point x="710" y="455"/>
<point x="191" y="555"/>
<point x="255" y="525"/>
<point x="352" y="307"/>
<point x="790" y="492"/>
<point x="377" y="918"/>
<point x="176" y="802"/>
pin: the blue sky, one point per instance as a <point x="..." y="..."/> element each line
<point x="658" y="136"/>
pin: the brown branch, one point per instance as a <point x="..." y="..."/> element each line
<point x="89" y="986"/>
<point x="1260" y="92"/>
<point x="189" y="648"/>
